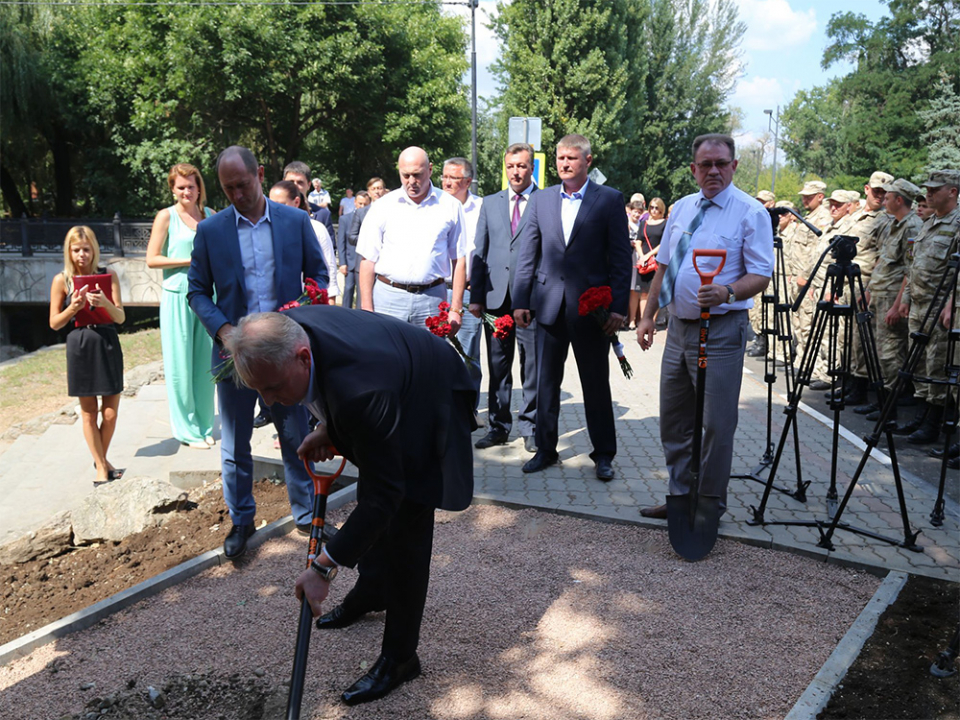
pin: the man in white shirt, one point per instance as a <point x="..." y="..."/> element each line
<point x="720" y="216"/>
<point x="457" y="176"/>
<point x="318" y="196"/>
<point x="347" y="203"/>
<point x="407" y="243"/>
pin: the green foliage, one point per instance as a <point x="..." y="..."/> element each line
<point x="871" y="119"/>
<point x="639" y="78"/>
<point x="343" y="88"/>
<point x="941" y="121"/>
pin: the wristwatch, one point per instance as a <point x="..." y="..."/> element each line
<point x="731" y="295"/>
<point x="327" y="573"/>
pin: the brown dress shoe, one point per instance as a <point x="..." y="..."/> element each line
<point x="658" y="513"/>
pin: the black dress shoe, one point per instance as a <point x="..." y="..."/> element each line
<point x="490" y="439"/>
<point x="262" y="420"/>
<point x="541" y="461"/>
<point x="866" y="409"/>
<point x="384" y="676"/>
<point x="658" y="512"/>
<point x="529" y="443"/>
<point x="338" y="618"/>
<point x="952" y="452"/>
<point x="819" y="385"/>
<point x="236" y="542"/>
<point x="604" y="469"/>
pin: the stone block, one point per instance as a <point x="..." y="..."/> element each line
<point x="124" y="507"/>
<point x="48" y="541"/>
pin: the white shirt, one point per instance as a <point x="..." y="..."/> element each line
<point x="736" y="223"/>
<point x="525" y="194"/>
<point x="471" y="214"/>
<point x="410" y="242"/>
<point x="329" y="259"/>
<point x="348" y="205"/>
<point x="319" y="197"/>
<point x="569" y="207"/>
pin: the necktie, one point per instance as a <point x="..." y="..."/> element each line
<point x="673" y="269"/>
<point x="515" y="220"/>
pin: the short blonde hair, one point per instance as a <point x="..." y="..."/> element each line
<point x="78" y="233"/>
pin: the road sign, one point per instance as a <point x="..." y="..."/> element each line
<point x="525" y="129"/>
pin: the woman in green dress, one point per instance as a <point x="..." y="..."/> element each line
<point x="186" y="344"/>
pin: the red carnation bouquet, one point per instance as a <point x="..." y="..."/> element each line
<point x="439" y="325"/>
<point x="501" y="326"/>
<point x="596" y="301"/>
<point x="312" y="294"/>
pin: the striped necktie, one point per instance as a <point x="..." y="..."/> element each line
<point x="679" y="254"/>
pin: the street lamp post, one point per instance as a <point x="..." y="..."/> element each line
<point x="473" y="89"/>
<point x="775" y="122"/>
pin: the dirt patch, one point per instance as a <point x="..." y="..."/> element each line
<point x="529" y="615"/>
<point x="891" y="679"/>
<point x="41" y="591"/>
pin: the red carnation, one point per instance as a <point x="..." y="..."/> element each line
<point x="502" y="327"/>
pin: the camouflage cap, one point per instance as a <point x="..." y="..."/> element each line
<point x="904" y="188"/>
<point x="844" y="196"/>
<point x="852" y="196"/>
<point x="786" y="204"/>
<point x="943" y="177"/>
<point x="813" y="187"/>
<point x="766" y="196"/>
<point x="879" y="178"/>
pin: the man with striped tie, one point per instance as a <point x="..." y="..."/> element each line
<point x="720" y="216"/>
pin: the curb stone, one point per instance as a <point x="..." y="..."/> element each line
<point x="825" y="682"/>
<point x="90" y="616"/>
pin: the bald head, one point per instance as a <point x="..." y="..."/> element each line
<point x="415" y="170"/>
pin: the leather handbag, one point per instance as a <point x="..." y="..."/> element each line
<point x="650" y="266"/>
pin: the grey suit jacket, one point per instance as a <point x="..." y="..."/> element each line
<point x="497" y="246"/>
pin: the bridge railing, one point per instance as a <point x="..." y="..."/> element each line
<point x="119" y="237"/>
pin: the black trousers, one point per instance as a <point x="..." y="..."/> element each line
<point x="394" y="576"/>
<point x="591" y="348"/>
<point x="500" y="354"/>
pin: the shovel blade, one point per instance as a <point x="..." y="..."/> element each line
<point x="693" y="522"/>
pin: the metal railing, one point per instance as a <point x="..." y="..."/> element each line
<point x="118" y="237"/>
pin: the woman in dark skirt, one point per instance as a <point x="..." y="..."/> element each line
<point x="94" y="357"/>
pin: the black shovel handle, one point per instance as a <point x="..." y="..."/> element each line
<point x="321" y="488"/>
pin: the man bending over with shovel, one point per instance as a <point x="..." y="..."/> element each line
<point x="719" y="217"/>
<point x="398" y="403"/>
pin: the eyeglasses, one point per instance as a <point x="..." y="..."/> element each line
<point x="451" y="178"/>
<point x="718" y="164"/>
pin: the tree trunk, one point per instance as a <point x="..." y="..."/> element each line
<point x="11" y="194"/>
<point x="62" y="176"/>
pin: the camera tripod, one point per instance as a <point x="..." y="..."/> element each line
<point x="834" y="321"/>
<point x="776" y="326"/>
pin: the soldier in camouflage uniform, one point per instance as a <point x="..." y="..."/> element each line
<point x="755" y="314"/>
<point x="867" y="222"/>
<point x="936" y="241"/>
<point x="841" y="202"/>
<point x="887" y="280"/>
<point x="803" y="256"/>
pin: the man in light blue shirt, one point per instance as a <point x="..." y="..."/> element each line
<point x="253" y="257"/>
<point x="723" y="217"/>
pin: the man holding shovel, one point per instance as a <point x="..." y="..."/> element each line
<point x="719" y="217"/>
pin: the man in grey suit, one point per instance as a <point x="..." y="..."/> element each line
<point x="347" y="248"/>
<point x="497" y="244"/>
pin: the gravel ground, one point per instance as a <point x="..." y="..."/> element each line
<point x="530" y="615"/>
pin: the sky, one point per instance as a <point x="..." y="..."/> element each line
<point x="781" y="52"/>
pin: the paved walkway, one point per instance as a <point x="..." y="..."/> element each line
<point x="42" y="475"/>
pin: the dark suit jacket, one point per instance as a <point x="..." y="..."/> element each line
<point x="216" y="267"/>
<point x="323" y="215"/>
<point x="599" y="253"/>
<point x="346" y="251"/>
<point x="497" y="248"/>
<point x="399" y="406"/>
<point x="356" y="220"/>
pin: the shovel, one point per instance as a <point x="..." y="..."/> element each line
<point x="693" y="520"/>
<point x="321" y="487"/>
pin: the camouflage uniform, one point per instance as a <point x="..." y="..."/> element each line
<point x="892" y="340"/>
<point x="803" y="257"/>
<point x="926" y="263"/>
<point x="867" y="226"/>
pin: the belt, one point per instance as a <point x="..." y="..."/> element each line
<point x="410" y="288"/>
<point x="713" y="317"/>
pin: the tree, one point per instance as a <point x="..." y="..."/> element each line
<point x="639" y="78"/>
<point x="868" y="120"/>
<point x="343" y="88"/>
<point x="942" y="122"/>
